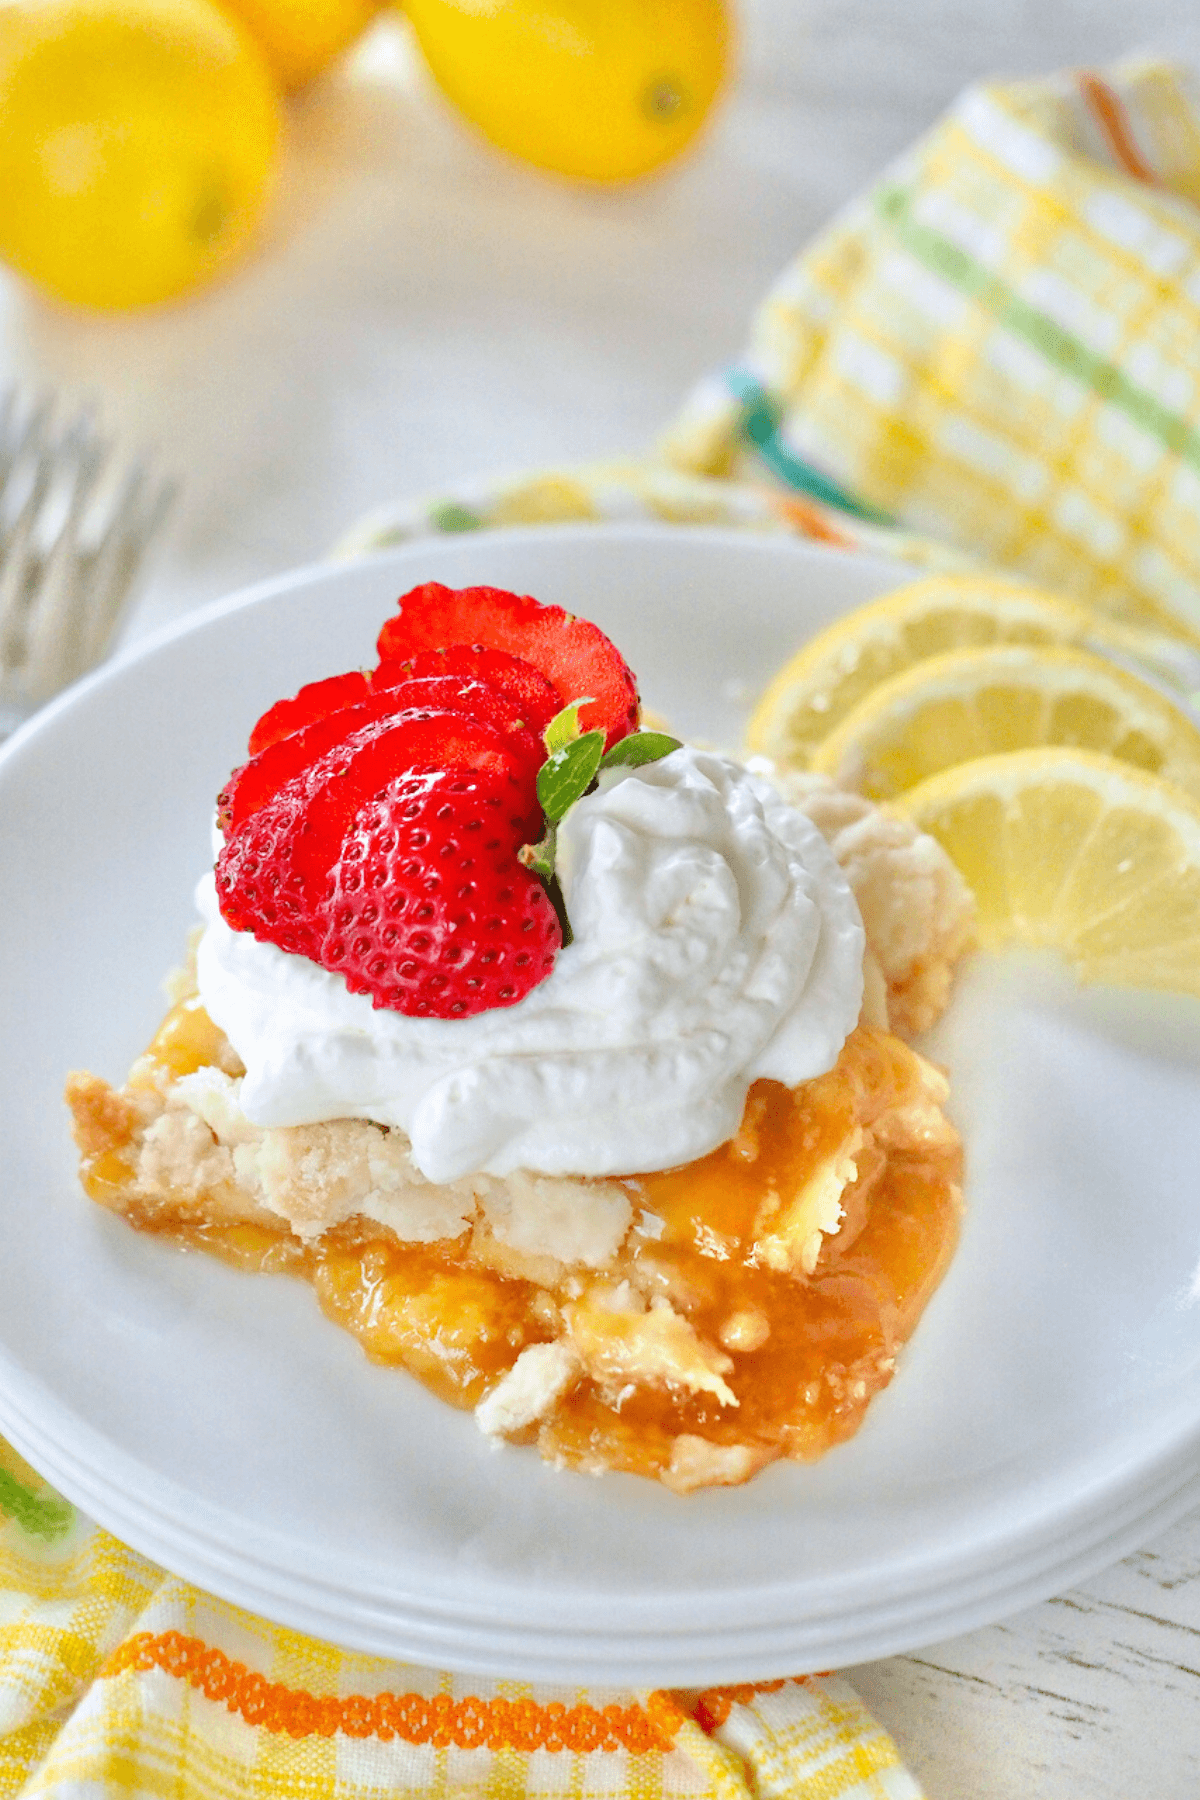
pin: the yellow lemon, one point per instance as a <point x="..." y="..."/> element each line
<point x="603" y="89"/>
<point x="301" y="37"/>
<point x="838" y="668"/>
<point x="1007" y="697"/>
<point x="1076" y="852"/>
<point x="137" y="143"/>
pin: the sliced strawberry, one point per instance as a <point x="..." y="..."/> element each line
<point x="266" y="774"/>
<point x="529" y="691"/>
<point x="311" y="703"/>
<point x="255" y="782"/>
<point x="431" y="913"/>
<point x="258" y="887"/>
<point x="512" y="676"/>
<point x="573" y="654"/>
<point x="273" y="872"/>
<point x="468" y="694"/>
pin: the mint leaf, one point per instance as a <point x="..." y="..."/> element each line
<point x="563" y="728"/>
<point x="569" y="773"/>
<point x="640" y="747"/>
<point x="565" y="777"/>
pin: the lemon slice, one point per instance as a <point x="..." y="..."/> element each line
<point x="1077" y="852"/>
<point x="835" y="670"/>
<point x="1009" y="697"/>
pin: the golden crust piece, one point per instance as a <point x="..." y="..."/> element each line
<point x="917" y="911"/>
<point x="101" y="1118"/>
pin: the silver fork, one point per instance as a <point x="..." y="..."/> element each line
<point x="74" y="531"/>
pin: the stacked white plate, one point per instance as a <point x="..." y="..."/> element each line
<point x="1045" y="1418"/>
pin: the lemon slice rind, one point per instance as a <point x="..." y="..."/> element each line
<point x="836" y="669"/>
<point x="1005" y="697"/>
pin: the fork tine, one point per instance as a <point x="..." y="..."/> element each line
<point x="10" y="436"/>
<point x="144" y="525"/>
<point x="40" y="453"/>
<point x="17" y="581"/>
<point x="118" y="557"/>
<point x="88" y="454"/>
<point x="137" y="518"/>
<point x="49" y="661"/>
<point x="69" y="549"/>
<point x="27" y="437"/>
<point x="155" y="515"/>
<point x="55" y="623"/>
<point x="34" y="457"/>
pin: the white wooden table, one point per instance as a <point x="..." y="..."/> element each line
<point x="421" y="311"/>
<point x="1094" y="1695"/>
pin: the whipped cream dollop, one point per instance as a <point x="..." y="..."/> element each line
<point x="715" y="942"/>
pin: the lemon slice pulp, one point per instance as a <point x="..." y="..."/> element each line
<point x="973" y="703"/>
<point x="1077" y="852"/>
<point x="838" y="668"/>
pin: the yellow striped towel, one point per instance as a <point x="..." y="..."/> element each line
<point x="997" y="345"/>
<point x="119" y="1680"/>
<point x="989" y="359"/>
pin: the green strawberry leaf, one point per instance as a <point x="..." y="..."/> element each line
<point x="568" y="773"/>
<point x="638" y="748"/>
<point x="571" y="767"/>
<point x="555" y="894"/>
<point x="540" y="856"/>
<point x="563" y="728"/>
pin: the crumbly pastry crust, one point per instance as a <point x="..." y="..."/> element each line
<point x="918" y="912"/>
<point x="691" y="1326"/>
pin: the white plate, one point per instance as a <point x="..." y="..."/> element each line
<point x="1045" y="1418"/>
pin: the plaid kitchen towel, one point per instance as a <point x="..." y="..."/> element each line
<point x="992" y="358"/>
<point x="999" y="345"/>
<point x="117" y="1679"/>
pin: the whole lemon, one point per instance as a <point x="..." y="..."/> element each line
<point x="604" y="89"/>
<point x="301" y="37"/>
<point x="137" y="143"/>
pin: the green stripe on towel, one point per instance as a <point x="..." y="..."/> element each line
<point x="44" y="1516"/>
<point x="1052" y="340"/>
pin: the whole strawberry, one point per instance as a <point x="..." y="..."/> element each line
<point x="430" y="912"/>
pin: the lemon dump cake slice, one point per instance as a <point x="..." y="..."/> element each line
<point x="691" y="1324"/>
<point x="622" y="1155"/>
